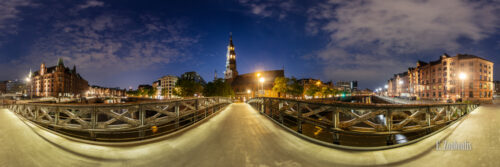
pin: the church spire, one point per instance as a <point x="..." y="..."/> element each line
<point x="60" y="62"/>
<point x="231" y="71"/>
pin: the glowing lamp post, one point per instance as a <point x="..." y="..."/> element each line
<point x="262" y="80"/>
<point x="462" y="77"/>
<point x="28" y="80"/>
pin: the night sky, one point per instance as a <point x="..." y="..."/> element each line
<point x="125" y="43"/>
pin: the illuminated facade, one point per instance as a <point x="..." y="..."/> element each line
<point x="463" y="76"/>
<point x="165" y="87"/>
<point x="97" y="91"/>
<point x="58" y="81"/>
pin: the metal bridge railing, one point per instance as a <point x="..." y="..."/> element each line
<point x="357" y="118"/>
<point x="120" y="122"/>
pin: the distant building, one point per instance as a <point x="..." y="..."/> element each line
<point x="462" y="76"/>
<point x="3" y="87"/>
<point x="398" y="85"/>
<point x="12" y="87"/>
<point x="98" y="91"/>
<point x="249" y="85"/>
<point x="165" y="86"/>
<point x="194" y="77"/>
<point x="57" y="81"/>
<point x="16" y="87"/>
<point x="347" y="86"/>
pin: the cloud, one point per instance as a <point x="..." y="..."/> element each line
<point x="107" y="45"/>
<point x="269" y="8"/>
<point x="393" y="31"/>
<point x="91" y="4"/>
<point x="9" y="16"/>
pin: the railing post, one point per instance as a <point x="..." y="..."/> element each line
<point x="388" y="122"/>
<point x="448" y="109"/>
<point x="196" y="109"/>
<point x="142" y="115"/>
<point x="262" y="106"/>
<point x="93" y="121"/>
<point x="428" y="119"/>
<point x="56" y="120"/>
<point x="280" y="106"/>
<point x="35" y="110"/>
<point x="299" y="119"/>
<point x="206" y="108"/>
<point x="336" y="121"/>
<point x="177" y="115"/>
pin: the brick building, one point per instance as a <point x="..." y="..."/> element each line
<point x="463" y="76"/>
<point x="57" y="81"/>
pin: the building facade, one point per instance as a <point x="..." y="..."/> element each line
<point x="347" y="86"/>
<point x="463" y="76"/>
<point x="165" y="87"/>
<point x="399" y="85"/>
<point x="3" y="87"/>
<point x="57" y="81"/>
<point x="257" y="84"/>
<point x="98" y="91"/>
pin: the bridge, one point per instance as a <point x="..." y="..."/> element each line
<point x="244" y="135"/>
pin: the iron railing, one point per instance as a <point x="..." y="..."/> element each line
<point x="359" y="119"/>
<point x="120" y="122"/>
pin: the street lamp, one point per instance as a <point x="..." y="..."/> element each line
<point x="462" y="77"/>
<point x="262" y="80"/>
<point x="28" y="80"/>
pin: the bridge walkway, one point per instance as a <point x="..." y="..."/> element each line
<point x="239" y="136"/>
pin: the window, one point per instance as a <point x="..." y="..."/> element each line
<point x="439" y="94"/>
<point x="471" y="63"/>
<point x="471" y="94"/>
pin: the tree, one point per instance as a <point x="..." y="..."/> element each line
<point x="218" y="87"/>
<point x="280" y="86"/>
<point x="294" y="87"/>
<point x="325" y="91"/>
<point x="312" y="90"/>
<point x="187" y="88"/>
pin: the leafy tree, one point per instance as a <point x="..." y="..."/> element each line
<point x="187" y="88"/>
<point x="280" y="86"/>
<point x="312" y="90"/>
<point x="326" y="91"/>
<point x="218" y="87"/>
<point x="294" y="87"/>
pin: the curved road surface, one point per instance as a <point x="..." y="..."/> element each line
<point x="239" y="136"/>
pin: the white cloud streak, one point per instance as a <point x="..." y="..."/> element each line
<point x="269" y="8"/>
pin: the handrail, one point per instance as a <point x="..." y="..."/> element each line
<point x="120" y="122"/>
<point x="357" y="118"/>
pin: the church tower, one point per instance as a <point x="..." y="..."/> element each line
<point x="231" y="71"/>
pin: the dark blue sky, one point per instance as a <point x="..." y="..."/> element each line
<point x="126" y="43"/>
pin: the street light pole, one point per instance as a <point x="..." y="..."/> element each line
<point x="462" y="77"/>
